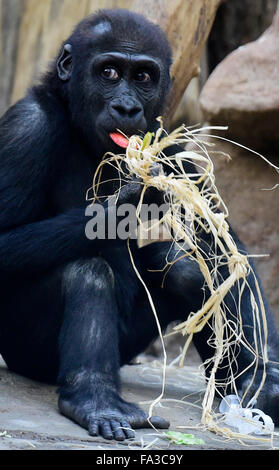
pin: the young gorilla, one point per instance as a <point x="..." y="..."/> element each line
<point x="72" y="309"/>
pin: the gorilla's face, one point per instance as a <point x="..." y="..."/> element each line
<point x="116" y="88"/>
<point x="128" y="89"/>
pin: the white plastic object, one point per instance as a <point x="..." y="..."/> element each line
<point x="246" y="420"/>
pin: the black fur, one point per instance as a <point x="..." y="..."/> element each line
<point x="73" y="310"/>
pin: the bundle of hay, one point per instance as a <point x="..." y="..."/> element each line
<point x="194" y="206"/>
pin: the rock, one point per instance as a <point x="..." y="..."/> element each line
<point x="243" y="91"/>
<point x="243" y="182"/>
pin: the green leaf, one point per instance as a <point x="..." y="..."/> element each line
<point x="147" y="140"/>
<point x="181" y="438"/>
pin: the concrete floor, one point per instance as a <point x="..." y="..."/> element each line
<point x="29" y="418"/>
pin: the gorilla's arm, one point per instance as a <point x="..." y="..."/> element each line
<point x="29" y="143"/>
<point x="31" y="239"/>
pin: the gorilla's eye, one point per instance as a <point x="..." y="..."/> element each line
<point x="110" y="73"/>
<point x="142" y="76"/>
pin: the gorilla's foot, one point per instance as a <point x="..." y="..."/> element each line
<point x="268" y="399"/>
<point x="109" y="416"/>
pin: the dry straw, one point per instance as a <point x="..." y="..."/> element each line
<point x="195" y="205"/>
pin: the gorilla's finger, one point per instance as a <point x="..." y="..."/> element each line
<point x="105" y="430"/>
<point x="118" y="432"/>
<point x="93" y="428"/>
<point x="159" y="422"/>
<point x="130" y="434"/>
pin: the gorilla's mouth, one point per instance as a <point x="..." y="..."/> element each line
<point x="120" y="139"/>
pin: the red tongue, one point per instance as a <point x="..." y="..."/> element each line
<point x="119" y="139"/>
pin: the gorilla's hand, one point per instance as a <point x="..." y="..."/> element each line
<point x="106" y="414"/>
<point x="130" y="193"/>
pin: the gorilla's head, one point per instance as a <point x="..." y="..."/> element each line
<point x="114" y="74"/>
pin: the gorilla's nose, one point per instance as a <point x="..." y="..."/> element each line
<point x="126" y="110"/>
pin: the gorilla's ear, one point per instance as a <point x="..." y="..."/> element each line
<point x="64" y="63"/>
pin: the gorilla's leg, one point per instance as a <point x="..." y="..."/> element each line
<point x="30" y="320"/>
<point x="66" y="325"/>
<point x="143" y="328"/>
<point x="89" y="352"/>
<point x="185" y="283"/>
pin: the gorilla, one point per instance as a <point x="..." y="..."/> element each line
<point x="73" y="310"/>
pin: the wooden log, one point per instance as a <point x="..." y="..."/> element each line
<point x="187" y="24"/>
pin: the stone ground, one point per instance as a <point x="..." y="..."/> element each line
<point x="29" y="418"/>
